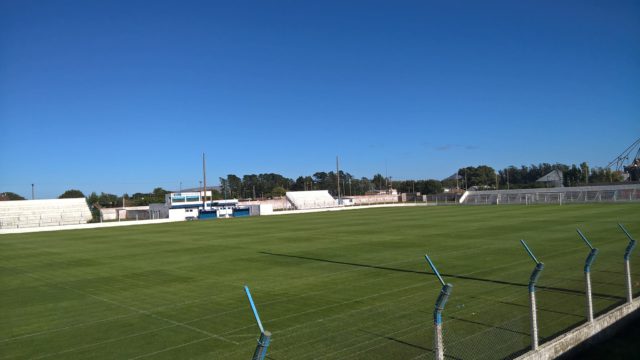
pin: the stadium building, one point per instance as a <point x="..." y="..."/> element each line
<point x="193" y="205"/>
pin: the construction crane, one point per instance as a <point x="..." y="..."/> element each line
<point x="633" y="169"/>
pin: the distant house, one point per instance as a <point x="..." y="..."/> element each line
<point x="552" y="179"/>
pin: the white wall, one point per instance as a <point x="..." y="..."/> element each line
<point x="108" y="214"/>
<point x="266" y="209"/>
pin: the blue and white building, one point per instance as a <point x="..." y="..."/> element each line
<point x="193" y="205"/>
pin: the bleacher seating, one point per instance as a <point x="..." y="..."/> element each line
<point x="36" y="213"/>
<point x="311" y="199"/>
<point x="558" y="195"/>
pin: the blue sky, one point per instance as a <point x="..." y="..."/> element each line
<point x="123" y="96"/>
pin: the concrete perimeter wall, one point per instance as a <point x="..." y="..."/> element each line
<point x="86" y="226"/>
<point x="573" y="338"/>
<point x="373" y="199"/>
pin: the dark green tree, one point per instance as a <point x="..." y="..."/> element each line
<point x="235" y="186"/>
<point x="71" y="194"/>
<point x="278" y="191"/>
<point x="6" y="196"/>
<point x="584" y="171"/>
<point x="378" y="182"/>
<point x="108" y="200"/>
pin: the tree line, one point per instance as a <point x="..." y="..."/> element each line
<point x="526" y="176"/>
<point x="270" y="185"/>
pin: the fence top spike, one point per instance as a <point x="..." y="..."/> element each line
<point x="626" y="232"/>
<point x="529" y="251"/>
<point x="433" y="267"/>
<point x="585" y="239"/>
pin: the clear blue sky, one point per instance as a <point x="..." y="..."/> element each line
<point x="123" y="96"/>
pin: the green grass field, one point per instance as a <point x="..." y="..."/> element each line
<point x="339" y="285"/>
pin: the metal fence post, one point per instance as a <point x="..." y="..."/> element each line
<point x="263" y="345"/>
<point x="587" y="274"/>
<point x="535" y="274"/>
<point x="438" y="343"/>
<point x="627" y="265"/>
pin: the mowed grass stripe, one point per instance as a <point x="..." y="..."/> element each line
<point x="334" y="285"/>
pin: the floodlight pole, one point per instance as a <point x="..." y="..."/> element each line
<point x="535" y="274"/>
<point x="627" y="266"/>
<point x="587" y="274"/>
<point x="265" y="336"/>
<point x="438" y="346"/>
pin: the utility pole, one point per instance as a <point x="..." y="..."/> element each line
<point x="204" y="177"/>
<point x="33" y="192"/>
<point x="386" y="177"/>
<point x="338" y="176"/>
<point x="466" y="185"/>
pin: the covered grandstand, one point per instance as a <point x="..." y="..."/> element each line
<point x="37" y="213"/>
<point x="315" y="199"/>
<point x="557" y="195"/>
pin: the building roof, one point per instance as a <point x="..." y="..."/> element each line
<point x="196" y="189"/>
<point x="453" y="177"/>
<point x="555" y="175"/>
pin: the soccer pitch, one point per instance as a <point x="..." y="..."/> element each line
<point x="334" y="285"/>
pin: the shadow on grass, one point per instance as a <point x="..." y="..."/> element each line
<point x="463" y="277"/>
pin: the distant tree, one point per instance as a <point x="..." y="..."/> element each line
<point x="107" y="200"/>
<point x="584" y="169"/>
<point x="235" y="186"/>
<point x="604" y="175"/>
<point x="224" y="184"/>
<point x="5" y="196"/>
<point x="321" y="179"/>
<point x="430" y="187"/>
<point x="299" y="184"/>
<point x="71" y="194"/>
<point x="251" y="186"/>
<point x="481" y="176"/>
<point x="216" y="195"/>
<point x="278" y="191"/>
<point x="92" y="199"/>
<point x="158" y="195"/>
<point x="378" y="181"/>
